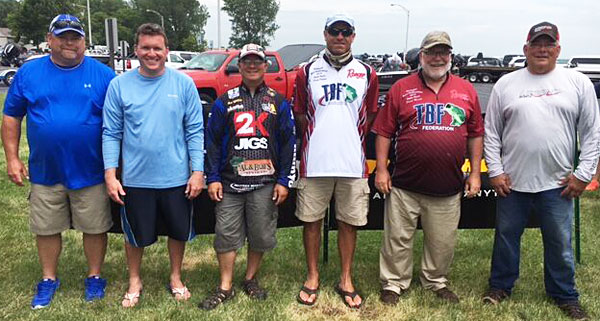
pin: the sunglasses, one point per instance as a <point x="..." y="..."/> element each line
<point x="335" y="32"/>
<point x="67" y="24"/>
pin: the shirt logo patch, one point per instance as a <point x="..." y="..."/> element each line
<point x="234" y="93"/>
<point x="357" y="75"/>
<point x="337" y="93"/>
<point x="87" y="85"/>
<point x="538" y="93"/>
<point x="458" y="114"/>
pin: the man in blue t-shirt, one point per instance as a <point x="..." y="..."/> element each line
<point x="62" y="96"/>
<point x="156" y="114"/>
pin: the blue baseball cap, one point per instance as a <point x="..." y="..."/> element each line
<point x="65" y="22"/>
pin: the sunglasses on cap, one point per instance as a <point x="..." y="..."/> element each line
<point x="346" y="32"/>
<point x="61" y="24"/>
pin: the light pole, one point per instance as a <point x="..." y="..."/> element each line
<point x="219" y="24"/>
<point x="162" y="19"/>
<point x="407" y="19"/>
<point x="89" y="23"/>
<point x="89" y="19"/>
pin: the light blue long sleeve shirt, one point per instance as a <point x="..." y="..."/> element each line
<point x="160" y="125"/>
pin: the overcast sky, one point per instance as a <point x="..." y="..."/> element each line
<point x="494" y="27"/>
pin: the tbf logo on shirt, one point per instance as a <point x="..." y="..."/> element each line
<point x="337" y="92"/>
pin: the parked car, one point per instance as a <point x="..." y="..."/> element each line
<point x="185" y="55"/>
<point x="518" y="61"/>
<point x="588" y="65"/>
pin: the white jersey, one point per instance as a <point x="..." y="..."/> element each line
<point x="336" y="104"/>
<point x="530" y="128"/>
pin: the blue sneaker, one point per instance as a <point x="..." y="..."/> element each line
<point x="94" y="288"/>
<point x="45" y="292"/>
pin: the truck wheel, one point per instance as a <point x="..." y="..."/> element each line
<point x="8" y="78"/>
<point x="473" y="77"/>
<point x="486" y="78"/>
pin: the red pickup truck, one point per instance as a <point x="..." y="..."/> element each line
<point x="216" y="71"/>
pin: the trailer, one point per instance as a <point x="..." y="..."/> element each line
<point x="485" y="74"/>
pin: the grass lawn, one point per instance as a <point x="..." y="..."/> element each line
<point x="282" y="273"/>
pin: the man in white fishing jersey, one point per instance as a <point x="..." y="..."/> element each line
<point x="335" y="102"/>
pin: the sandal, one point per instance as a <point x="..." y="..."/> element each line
<point x="130" y="300"/>
<point x="184" y="293"/>
<point x="351" y="295"/>
<point x="253" y="290"/>
<point x="310" y="292"/>
<point x="220" y="296"/>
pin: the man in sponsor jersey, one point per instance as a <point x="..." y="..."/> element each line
<point x="335" y="101"/>
<point x="533" y="118"/>
<point x="155" y="113"/>
<point x="62" y="95"/>
<point x="436" y="120"/>
<point x="250" y="165"/>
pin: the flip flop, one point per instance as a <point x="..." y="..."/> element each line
<point x="345" y="294"/>
<point x="130" y="297"/>
<point x="310" y="292"/>
<point x="179" y="291"/>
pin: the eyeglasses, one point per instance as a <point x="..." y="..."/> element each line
<point x="437" y="53"/>
<point x="335" y="32"/>
<point x="252" y="62"/>
<point x="540" y="45"/>
<point x="67" y="23"/>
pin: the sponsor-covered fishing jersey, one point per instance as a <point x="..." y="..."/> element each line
<point x="431" y="133"/>
<point x="250" y="140"/>
<point x="336" y="104"/>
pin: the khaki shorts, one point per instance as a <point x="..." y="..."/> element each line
<point x="351" y="199"/>
<point x="55" y="208"/>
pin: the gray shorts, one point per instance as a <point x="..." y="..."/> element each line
<point x="53" y="209"/>
<point x="251" y="215"/>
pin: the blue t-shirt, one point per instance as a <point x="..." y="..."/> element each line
<point x="64" y="120"/>
<point x="159" y="122"/>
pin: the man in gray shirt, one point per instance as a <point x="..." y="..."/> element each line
<point x="533" y="118"/>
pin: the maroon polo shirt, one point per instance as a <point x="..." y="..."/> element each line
<point x="431" y="133"/>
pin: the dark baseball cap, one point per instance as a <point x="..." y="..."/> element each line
<point x="543" y="28"/>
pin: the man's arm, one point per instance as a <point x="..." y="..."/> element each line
<point x="194" y="137"/>
<point x="383" y="181"/>
<point x="11" y="136"/>
<point x="475" y="149"/>
<point x="492" y="145"/>
<point x="112" y="134"/>
<point x="588" y="128"/>
<point x="287" y="152"/>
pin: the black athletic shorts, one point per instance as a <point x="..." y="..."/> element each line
<point x="147" y="209"/>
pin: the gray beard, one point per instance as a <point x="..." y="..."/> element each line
<point x="436" y="75"/>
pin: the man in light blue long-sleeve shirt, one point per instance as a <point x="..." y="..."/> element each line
<point x="156" y="114"/>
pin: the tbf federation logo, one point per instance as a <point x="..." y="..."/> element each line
<point x="432" y="115"/>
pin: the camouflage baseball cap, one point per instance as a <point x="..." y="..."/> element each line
<point x="435" y="38"/>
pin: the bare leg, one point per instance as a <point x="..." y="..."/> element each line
<point x="176" y="252"/>
<point x="226" y="264"/>
<point x="134" y="262"/>
<point x="49" y="247"/>
<point x="346" y="246"/>
<point x="253" y="264"/>
<point x="312" y="242"/>
<point x="94" y="247"/>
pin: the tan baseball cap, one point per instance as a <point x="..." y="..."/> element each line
<point x="435" y="38"/>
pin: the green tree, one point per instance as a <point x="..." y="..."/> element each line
<point x="32" y="18"/>
<point x="252" y="21"/>
<point x="184" y="19"/>
<point x="6" y="7"/>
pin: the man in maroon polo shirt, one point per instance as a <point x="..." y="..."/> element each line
<point x="436" y="120"/>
